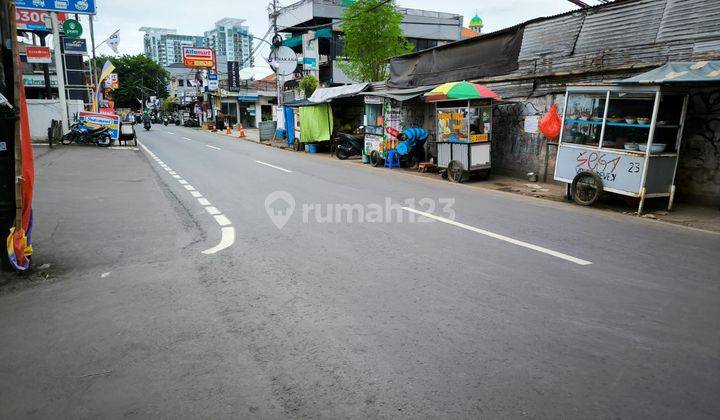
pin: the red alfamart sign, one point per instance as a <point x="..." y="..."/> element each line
<point x="34" y="20"/>
<point x="194" y="57"/>
<point x="37" y="54"/>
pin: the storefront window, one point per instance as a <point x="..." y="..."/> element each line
<point x="452" y="124"/>
<point x="480" y="123"/>
<point x="584" y="118"/>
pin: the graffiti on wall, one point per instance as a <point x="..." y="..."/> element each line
<point x="699" y="167"/>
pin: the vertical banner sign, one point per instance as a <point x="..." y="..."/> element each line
<point x="35" y="20"/>
<point x="83" y="7"/>
<point x="233" y="68"/>
<point x="212" y="81"/>
<point x="311" y="52"/>
<point x="36" y="54"/>
<point x="112" y="81"/>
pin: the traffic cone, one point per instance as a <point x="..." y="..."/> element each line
<point x="228" y="131"/>
<point x="242" y="131"/>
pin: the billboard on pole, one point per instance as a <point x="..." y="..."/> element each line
<point x="196" y="57"/>
<point x="84" y="7"/>
<point x="35" y="20"/>
<point x="38" y="54"/>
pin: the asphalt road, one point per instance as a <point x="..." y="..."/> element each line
<point x="502" y="306"/>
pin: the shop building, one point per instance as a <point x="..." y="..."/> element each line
<point x="322" y="49"/>
<point x="531" y="64"/>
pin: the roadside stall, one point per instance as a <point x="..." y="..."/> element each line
<point x="463" y="114"/>
<point x="625" y="138"/>
<point x="390" y="109"/>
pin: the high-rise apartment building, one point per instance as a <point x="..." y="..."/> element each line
<point x="231" y="40"/>
<point x="164" y="46"/>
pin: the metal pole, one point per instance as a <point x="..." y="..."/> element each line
<point x="60" y="72"/>
<point x="93" y="63"/>
<point x="646" y="162"/>
<point x="46" y="70"/>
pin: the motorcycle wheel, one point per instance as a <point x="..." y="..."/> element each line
<point x="104" y="140"/>
<point x="67" y="139"/>
<point x="341" y="154"/>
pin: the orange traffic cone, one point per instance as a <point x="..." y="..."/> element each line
<point x="228" y="131"/>
<point x="242" y="131"/>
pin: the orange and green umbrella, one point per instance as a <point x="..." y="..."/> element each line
<point x="460" y="90"/>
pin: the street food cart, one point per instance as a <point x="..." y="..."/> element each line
<point x="623" y="139"/>
<point x="463" y="128"/>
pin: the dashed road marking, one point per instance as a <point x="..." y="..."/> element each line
<point x="273" y="166"/>
<point x="227" y="231"/>
<point x="213" y="147"/>
<point x="186" y="138"/>
<point x="501" y="237"/>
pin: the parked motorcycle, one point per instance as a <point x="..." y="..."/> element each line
<point x="166" y="120"/>
<point x="82" y="134"/>
<point x="191" y="122"/>
<point x="349" y="145"/>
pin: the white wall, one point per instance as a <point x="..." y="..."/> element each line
<point x="42" y="111"/>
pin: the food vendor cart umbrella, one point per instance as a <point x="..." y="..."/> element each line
<point x="460" y="90"/>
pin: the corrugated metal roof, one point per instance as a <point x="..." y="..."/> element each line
<point x="554" y="37"/>
<point x="620" y="25"/>
<point x="685" y="19"/>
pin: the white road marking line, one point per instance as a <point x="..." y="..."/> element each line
<point x="103" y="275"/>
<point x="172" y="172"/>
<point x="212" y="210"/>
<point x="160" y="162"/>
<point x="222" y="220"/>
<point x="213" y="147"/>
<point x="186" y="138"/>
<point x="170" y="132"/>
<point x="203" y="201"/>
<point x="182" y="181"/>
<point x="226" y="240"/>
<point x="227" y="232"/>
<point x="501" y="237"/>
<point x="273" y="166"/>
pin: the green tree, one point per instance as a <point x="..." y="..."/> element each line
<point x="372" y="36"/>
<point x="139" y="78"/>
<point x="308" y="84"/>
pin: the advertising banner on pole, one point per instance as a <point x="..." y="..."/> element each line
<point x="96" y="119"/>
<point x="194" y="57"/>
<point x="311" y="52"/>
<point x="83" y="7"/>
<point x="212" y="81"/>
<point x="38" y="54"/>
<point x="35" y="20"/>
<point x="75" y="46"/>
<point x="112" y="81"/>
<point x="233" y="68"/>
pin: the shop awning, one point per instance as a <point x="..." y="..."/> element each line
<point x="328" y="94"/>
<point x="400" y="94"/>
<point x="296" y="41"/>
<point x="680" y="72"/>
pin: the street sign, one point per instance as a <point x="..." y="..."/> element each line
<point x="38" y="54"/>
<point x="233" y="76"/>
<point x="35" y="20"/>
<point x="283" y="60"/>
<point x="194" y="57"/>
<point x="72" y="28"/>
<point x="212" y="81"/>
<point x="75" y="46"/>
<point x="84" y="7"/>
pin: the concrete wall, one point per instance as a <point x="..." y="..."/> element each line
<point x="42" y="111"/>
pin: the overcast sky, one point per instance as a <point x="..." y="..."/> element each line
<point x="193" y="17"/>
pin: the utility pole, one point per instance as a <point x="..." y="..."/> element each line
<point x="278" y="81"/>
<point x="60" y="72"/>
<point x="93" y="63"/>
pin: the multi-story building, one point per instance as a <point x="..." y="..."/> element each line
<point x="164" y="46"/>
<point x="231" y="40"/>
<point x="423" y="29"/>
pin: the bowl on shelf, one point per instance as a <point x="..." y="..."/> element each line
<point x="655" y="148"/>
<point x="643" y="120"/>
<point x="630" y="120"/>
<point x="631" y="146"/>
<point x="615" y="119"/>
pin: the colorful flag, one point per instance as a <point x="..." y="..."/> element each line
<point x="114" y="40"/>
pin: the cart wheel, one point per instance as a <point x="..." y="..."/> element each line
<point x="455" y="171"/>
<point x="483" y="175"/>
<point x="375" y="159"/>
<point x="586" y="188"/>
<point x="443" y="174"/>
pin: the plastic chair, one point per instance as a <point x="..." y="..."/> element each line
<point x="392" y="160"/>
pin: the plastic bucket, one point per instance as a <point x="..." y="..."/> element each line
<point x="312" y="148"/>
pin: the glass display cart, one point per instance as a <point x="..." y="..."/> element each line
<point x="620" y="139"/>
<point x="464" y="134"/>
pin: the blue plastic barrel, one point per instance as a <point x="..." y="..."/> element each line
<point x="312" y="148"/>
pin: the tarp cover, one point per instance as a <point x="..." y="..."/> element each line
<point x="493" y="54"/>
<point x="401" y="94"/>
<point x="328" y="94"/>
<point x="316" y="123"/>
<point x="680" y="72"/>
